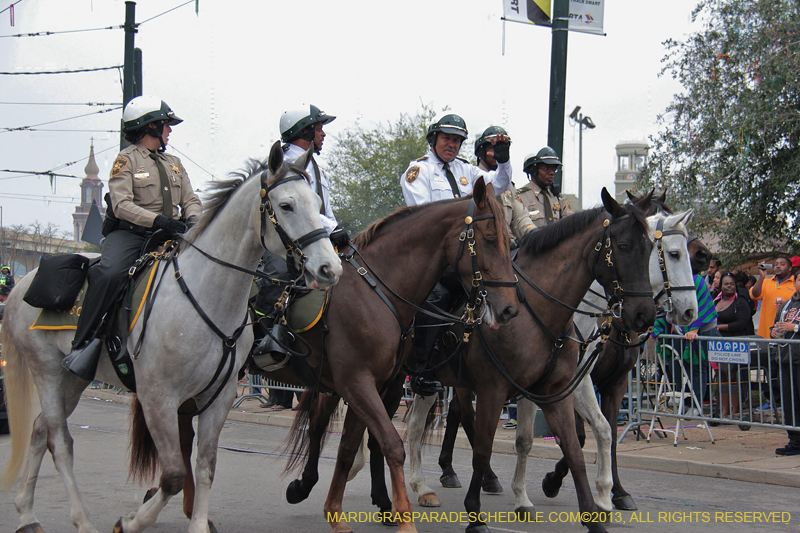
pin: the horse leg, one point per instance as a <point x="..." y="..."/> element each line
<point x="610" y="403"/>
<point x="162" y="423"/>
<point x="27" y="487"/>
<point x="587" y="407"/>
<point x="560" y="417"/>
<point x="378" y="492"/>
<point x="352" y="436"/>
<point x="320" y="412"/>
<point x="490" y="485"/>
<point x="526" y="411"/>
<point x="186" y="432"/>
<point x="551" y="484"/>
<point x="426" y="497"/>
<point x="449" y="478"/>
<point x="490" y="403"/>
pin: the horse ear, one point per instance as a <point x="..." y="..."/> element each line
<point x="643" y="202"/>
<point x="632" y="197"/>
<point x="663" y="197"/>
<point x="685" y="217"/>
<point x="479" y="192"/>
<point x="304" y="159"/>
<point x="611" y="205"/>
<point x="275" y="157"/>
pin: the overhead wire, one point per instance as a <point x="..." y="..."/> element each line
<point x="61" y="103"/>
<point x="25" y="128"/>
<point x="49" y="33"/>
<point x="165" y="12"/>
<point x="60" y="71"/>
<point x="192" y="160"/>
<point x="11" y="6"/>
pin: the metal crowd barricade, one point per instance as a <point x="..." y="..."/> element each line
<point x="254" y="386"/>
<point x="734" y="387"/>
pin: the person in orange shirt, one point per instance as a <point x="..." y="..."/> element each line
<point x="772" y="292"/>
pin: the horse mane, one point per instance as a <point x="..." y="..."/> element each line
<point x="219" y="192"/>
<point x="364" y="238"/>
<point x="548" y="237"/>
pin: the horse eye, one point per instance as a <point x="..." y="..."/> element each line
<point x="675" y="255"/>
<point x="491" y="241"/>
<point x="287" y="208"/>
<point x="623" y="247"/>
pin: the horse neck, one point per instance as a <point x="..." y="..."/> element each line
<point x="410" y="255"/>
<point x="562" y="273"/>
<point x="231" y="236"/>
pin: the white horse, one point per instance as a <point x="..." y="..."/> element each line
<point x="180" y="351"/>
<point x="683" y="310"/>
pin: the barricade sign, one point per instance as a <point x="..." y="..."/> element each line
<point x="722" y="351"/>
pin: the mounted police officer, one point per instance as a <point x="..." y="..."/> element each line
<point x="149" y="190"/>
<point x="538" y="197"/>
<point x="517" y="218"/>
<point x="439" y="175"/>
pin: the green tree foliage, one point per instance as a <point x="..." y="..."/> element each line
<point x="365" y="167"/>
<point x="728" y="144"/>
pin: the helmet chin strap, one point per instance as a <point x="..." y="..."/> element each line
<point x="158" y="132"/>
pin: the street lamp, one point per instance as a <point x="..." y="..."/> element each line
<point x="582" y="122"/>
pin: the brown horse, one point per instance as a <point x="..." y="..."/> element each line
<point x="360" y="343"/>
<point x="567" y="249"/>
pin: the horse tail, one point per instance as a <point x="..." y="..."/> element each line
<point x="19" y="396"/>
<point x="298" y="441"/>
<point x="143" y="465"/>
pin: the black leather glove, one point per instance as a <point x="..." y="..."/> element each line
<point x="169" y="225"/>
<point x="501" y="152"/>
<point x="339" y="237"/>
<point x="191" y="221"/>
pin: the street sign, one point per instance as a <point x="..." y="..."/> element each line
<point x="729" y="352"/>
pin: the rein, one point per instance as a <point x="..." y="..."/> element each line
<point x="662" y="265"/>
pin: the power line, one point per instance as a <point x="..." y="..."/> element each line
<point x="60" y="71"/>
<point x="48" y="33"/>
<point x="40" y="199"/>
<point x="59" y="103"/>
<point x="70" y="131"/>
<point x="165" y="12"/>
<point x="34" y="173"/>
<point x="20" y="196"/>
<point x="192" y="160"/>
<point x="25" y="128"/>
<point x="11" y="6"/>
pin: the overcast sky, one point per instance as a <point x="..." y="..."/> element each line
<point x="231" y="71"/>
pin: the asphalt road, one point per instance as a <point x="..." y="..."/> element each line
<point x="248" y="493"/>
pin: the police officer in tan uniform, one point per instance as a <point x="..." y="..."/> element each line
<point x="149" y="191"/>
<point x="544" y="207"/>
<point x="517" y="218"/>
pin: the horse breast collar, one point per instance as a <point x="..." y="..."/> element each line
<point x="662" y="265"/>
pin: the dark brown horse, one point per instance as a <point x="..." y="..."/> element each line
<point x="360" y="344"/>
<point x="567" y="249"/>
<point x="611" y="372"/>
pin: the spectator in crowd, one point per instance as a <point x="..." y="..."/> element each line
<point x="787" y="326"/>
<point x="772" y="292"/>
<point x="743" y="284"/>
<point x="5" y="290"/>
<point x="6" y="277"/>
<point x="713" y="268"/>
<point x="715" y="285"/>
<point x="733" y="320"/>
<point x="795" y="265"/>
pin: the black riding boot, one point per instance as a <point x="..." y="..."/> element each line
<point x="424" y="345"/>
<point x="83" y="361"/>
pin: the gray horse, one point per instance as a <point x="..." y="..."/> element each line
<point x="182" y="349"/>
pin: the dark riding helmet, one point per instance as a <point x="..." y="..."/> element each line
<point x="486" y="137"/>
<point x="296" y="120"/>
<point x="451" y="123"/>
<point x="545" y="156"/>
<point x="144" y="110"/>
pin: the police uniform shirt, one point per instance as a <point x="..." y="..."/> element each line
<point x="532" y="195"/>
<point x="426" y="181"/>
<point x="135" y="187"/>
<point x="292" y="154"/>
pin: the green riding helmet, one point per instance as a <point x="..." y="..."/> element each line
<point x="546" y="156"/>
<point x="143" y="110"/>
<point x="452" y="124"/>
<point x="296" y="120"/>
<point x="486" y="137"/>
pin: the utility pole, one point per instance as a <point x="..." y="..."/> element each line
<point x="558" y="82"/>
<point x="128" y="88"/>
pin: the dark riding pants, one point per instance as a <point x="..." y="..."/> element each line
<point x="447" y="295"/>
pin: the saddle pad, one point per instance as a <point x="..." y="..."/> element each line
<point x="57" y="320"/>
<point x="305" y="311"/>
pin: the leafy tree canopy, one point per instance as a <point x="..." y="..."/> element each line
<point x="728" y="144"/>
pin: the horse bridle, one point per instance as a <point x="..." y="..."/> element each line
<point x="294" y="247"/>
<point x="662" y="265"/>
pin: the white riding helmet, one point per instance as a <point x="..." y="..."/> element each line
<point x="143" y="110"/>
<point x="296" y="120"/>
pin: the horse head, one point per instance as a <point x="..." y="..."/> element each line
<point x="621" y="263"/>
<point x="483" y="257"/>
<point x="295" y="225"/>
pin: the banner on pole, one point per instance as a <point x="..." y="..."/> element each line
<point x="585" y="16"/>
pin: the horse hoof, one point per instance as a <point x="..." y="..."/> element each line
<point x="478" y="528"/>
<point x="149" y="494"/>
<point x="492" y="486"/>
<point x="624" y="503"/>
<point x="525" y="514"/>
<point x="36" y="527"/>
<point x="450" y="481"/>
<point x="294" y="492"/>
<point x="549" y="487"/>
<point x="429" y="500"/>
<point x="118" y="527"/>
<point x="211" y="527"/>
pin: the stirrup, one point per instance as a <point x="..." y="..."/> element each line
<point x="426" y="387"/>
<point x="271" y="353"/>
<point x="83" y="361"/>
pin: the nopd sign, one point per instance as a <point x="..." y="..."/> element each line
<point x="729" y="352"/>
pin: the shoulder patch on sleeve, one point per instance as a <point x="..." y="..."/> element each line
<point x="462" y="159"/>
<point x="412" y="174"/>
<point x="119" y="165"/>
<point x="423" y="158"/>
